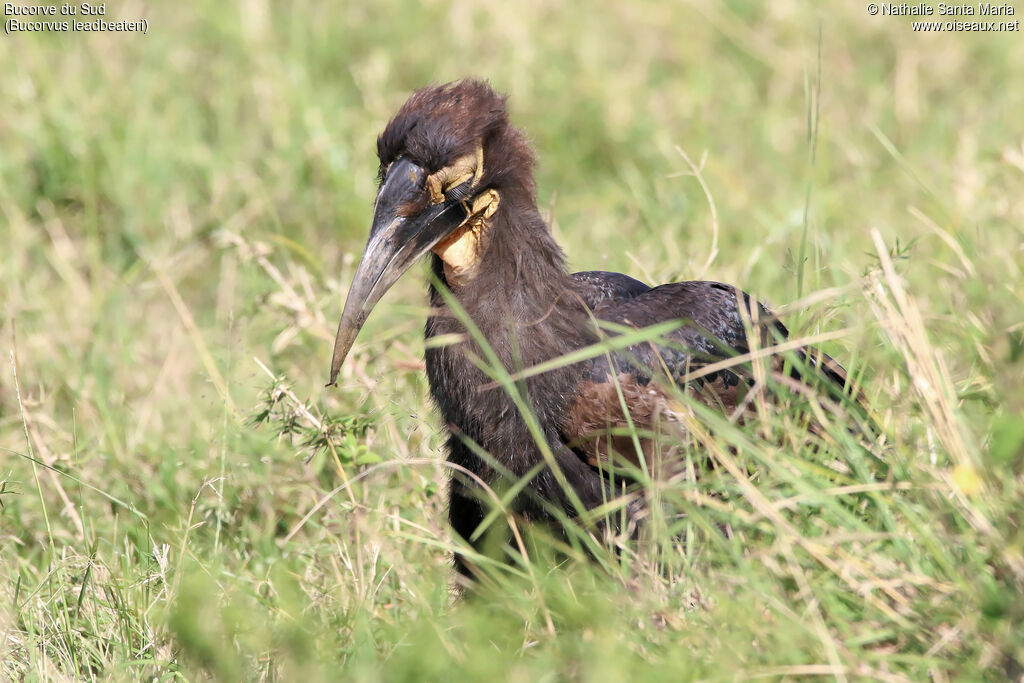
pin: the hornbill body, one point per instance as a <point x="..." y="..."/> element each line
<point x="456" y="181"/>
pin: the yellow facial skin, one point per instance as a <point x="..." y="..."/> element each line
<point x="462" y="250"/>
<point x="470" y="166"/>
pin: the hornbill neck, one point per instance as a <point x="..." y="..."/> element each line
<point x="521" y="278"/>
<point x="523" y="302"/>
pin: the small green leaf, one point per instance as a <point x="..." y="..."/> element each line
<point x="368" y="458"/>
<point x="1007" y="445"/>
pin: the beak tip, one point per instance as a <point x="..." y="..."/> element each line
<point x="335" y="371"/>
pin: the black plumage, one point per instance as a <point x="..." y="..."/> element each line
<point x="456" y="180"/>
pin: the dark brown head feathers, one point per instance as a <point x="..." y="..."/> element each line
<point x="440" y="123"/>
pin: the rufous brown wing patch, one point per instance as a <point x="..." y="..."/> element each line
<point x="595" y="423"/>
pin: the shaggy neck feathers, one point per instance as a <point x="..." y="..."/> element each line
<point x="521" y="279"/>
<point x="523" y="303"/>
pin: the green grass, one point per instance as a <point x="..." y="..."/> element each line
<point x="181" y="211"/>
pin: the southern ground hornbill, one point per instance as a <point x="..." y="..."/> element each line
<point x="456" y="180"/>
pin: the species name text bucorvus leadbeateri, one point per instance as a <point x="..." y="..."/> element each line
<point x="456" y="180"/>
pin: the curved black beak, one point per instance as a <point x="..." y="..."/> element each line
<point x="396" y="242"/>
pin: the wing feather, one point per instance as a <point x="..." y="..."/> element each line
<point x="716" y="320"/>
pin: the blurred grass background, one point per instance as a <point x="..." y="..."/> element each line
<point x="179" y="207"/>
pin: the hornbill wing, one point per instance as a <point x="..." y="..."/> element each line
<point x="714" y="327"/>
<point x="600" y="289"/>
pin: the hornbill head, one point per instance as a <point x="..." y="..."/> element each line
<point x="445" y="160"/>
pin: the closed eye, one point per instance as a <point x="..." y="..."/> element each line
<point x="459" y="192"/>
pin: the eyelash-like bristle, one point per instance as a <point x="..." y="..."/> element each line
<point x="458" y="193"/>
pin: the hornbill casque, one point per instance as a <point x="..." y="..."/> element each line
<point x="456" y="181"/>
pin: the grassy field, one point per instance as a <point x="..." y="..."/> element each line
<point x="180" y="498"/>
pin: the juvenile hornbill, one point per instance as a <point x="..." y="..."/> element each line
<point x="456" y="181"/>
